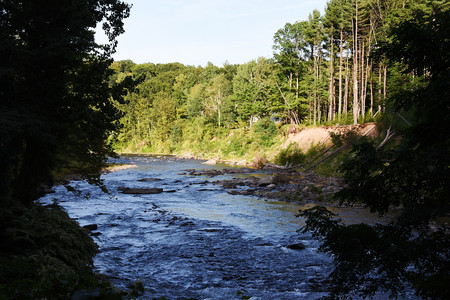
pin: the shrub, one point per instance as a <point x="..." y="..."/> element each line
<point x="259" y="162"/>
<point x="265" y="126"/>
<point x="291" y="155"/>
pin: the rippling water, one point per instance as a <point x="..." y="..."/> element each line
<point x="196" y="241"/>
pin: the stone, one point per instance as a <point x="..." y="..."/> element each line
<point x="212" y="172"/>
<point x="233" y="192"/>
<point x="229" y="185"/>
<point x="266" y="181"/>
<point x="210" y="162"/>
<point x="91" y="227"/>
<point x="298" y="246"/>
<point x="246" y="192"/>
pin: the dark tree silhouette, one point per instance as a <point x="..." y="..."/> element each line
<point x="411" y="175"/>
<point x="55" y="101"/>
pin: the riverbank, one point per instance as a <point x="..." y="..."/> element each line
<point x="45" y="253"/>
<point x="249" y="151"/>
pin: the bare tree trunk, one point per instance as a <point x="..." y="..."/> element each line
<point x="362" y="104"/>
<point x="371" y="95"/>
<point x="331" y="108"/>
<point x="290" y="81"/>
<point x="341" y="46"/>
<point x="366" y="82"/>
<point x="389" y="134"/>
<point x="355" y="89"/>
<point x="219" y="107"/>
<point x="355" y="67"/>
<point x="384" y="87"/>
<point x="315" y="91"/>
<point x="319" y="104"/>
<point x="346" y="88"/>
<point x="379" y="86"/>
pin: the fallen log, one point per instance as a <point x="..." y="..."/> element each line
<point x="336" y="151"/>
<point x="141" y="191"/>
<point x="389" y="134"/>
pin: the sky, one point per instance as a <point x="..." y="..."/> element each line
<point x="195" y="32"/>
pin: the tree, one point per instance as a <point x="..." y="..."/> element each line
<point x="337" y="19"/>
<point x="410" y="175"/>
<point x="163" y="115"/>
<point x="254" y="89"/>
<point x="315" y="37"/>
<point x="291" y="52"/>
<point x="217" y="92"/>
<point x="55" y="108"/>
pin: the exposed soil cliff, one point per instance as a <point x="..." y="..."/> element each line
<point x="308" y="136"/>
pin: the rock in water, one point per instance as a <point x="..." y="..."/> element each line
<point x="266" y="181"/>
<point x="210" y="162"/>
<point x="91" y="227"/>
<point x="298" y="246"/>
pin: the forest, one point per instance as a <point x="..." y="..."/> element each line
<point x="326" y="70"/>
<point x="66" y="106"/>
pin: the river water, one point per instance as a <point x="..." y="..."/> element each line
<point x="194" y="240"/>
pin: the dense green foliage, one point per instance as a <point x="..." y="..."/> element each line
<point x="324" y="71"/>
<point x="43" y="251"/>
<point x="55" y="108"/>
<point x="196" y="110"/>
<point x="409" y="176"/>
<point x="56" y="114"/>
<point x="62" y="110"/>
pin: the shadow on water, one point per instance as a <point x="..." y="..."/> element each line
<point x="197" y="241"/>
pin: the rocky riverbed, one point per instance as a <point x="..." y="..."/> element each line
<point x="188" y="230"/>
<point x="290" y="184"/>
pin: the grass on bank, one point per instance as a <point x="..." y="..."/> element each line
<point x="256" y="146"/>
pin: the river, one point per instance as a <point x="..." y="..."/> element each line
<point x="194" y="240"/>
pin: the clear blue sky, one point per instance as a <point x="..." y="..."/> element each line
<point x="195" y="32"/>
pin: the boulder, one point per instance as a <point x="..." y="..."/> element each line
<point x="212" y="172"/>
<point x="266" y="181"/>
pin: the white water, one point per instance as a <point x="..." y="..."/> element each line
<point x="197" y="242"/>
